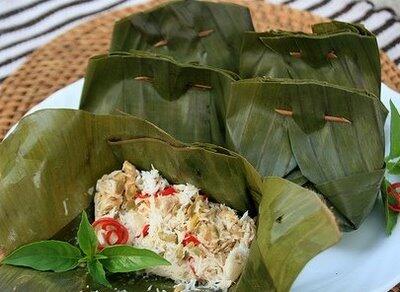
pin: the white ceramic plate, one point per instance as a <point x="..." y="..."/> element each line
<point x="364" y="260"/>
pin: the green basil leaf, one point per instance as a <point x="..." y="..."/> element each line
<point x="48" y="255"/>
<point x="97" y="272"/>
<point x="393" y="167"/>
<point x="394" y="132"/>
<point x="87" y="238"/>
<point x="124" y="258"/>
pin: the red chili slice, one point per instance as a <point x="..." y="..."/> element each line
<point x="392" y="190"/>
<point x="190" y="238"/>
<point x="111" y="227"/>
<point x="168" y="191"/>
<point x="394" y="208"/>
<point x="145" y="230"/>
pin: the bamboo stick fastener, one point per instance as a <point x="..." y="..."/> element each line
<point x="150" y="79"/>
<point x="205" y="33"/>
<point x="144" y="78"/>
<point x="331" y="55"/>
<point x="326" y="117"/>
<point x="295" y="54"/>
<point x="201" y="86"/>
<point x="161" y="43"/>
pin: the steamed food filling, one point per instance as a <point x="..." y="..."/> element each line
<point x="206" y="243"/>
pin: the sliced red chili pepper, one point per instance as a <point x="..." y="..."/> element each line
<point x="392" y="190"/>
<point x="145" y="230"/>
<point x="124" y="238"/>
<point x="394" y="208"/>
<point x="168" y="191"/>
<point x="102" y="221"/>
<point x="190" y="238"/>
<point x="112" y="226"/>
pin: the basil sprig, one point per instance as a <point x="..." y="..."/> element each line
<point x="392" y="169"/>
<point x="59" y="256"/>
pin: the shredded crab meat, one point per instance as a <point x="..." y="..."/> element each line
<point x="206" y="243"/>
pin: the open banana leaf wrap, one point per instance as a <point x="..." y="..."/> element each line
<point x="330" y="154"/>
<point x="339" y="53"/>
<point x="190" y="31"/>
<point x="50" y="164"/>
<point x="187" y="101"/>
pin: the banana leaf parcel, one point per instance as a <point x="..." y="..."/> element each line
<point x="50" y="164"/>
<point x="335" y="135"/>
<point x="190" y="31"/>
<point x="339" y="53"/>
<point x="187" y="101"/>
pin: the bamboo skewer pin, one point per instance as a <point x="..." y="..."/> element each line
<point x="161" y="43"/>
<point x="201" y="86"/>
<point x="205" y="33"/>
<point x="331" y="55"/>
<point x="201" y="34"/>
<point x="144" y="78"/>
<point x="326" y="117"/>
<point x="150" y="79"/>
<point x="296" y="55"/>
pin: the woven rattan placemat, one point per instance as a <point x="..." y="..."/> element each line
<point x="64" y="60"/>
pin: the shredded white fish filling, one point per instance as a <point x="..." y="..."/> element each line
<point x="206" y="243"/>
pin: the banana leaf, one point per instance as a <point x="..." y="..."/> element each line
<point x="339" y="53"/>
<point x="344" y="159"/>
<point x="49" y="165"/>
<point x="190" y="31"/>
<point x="187" y="101"/>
